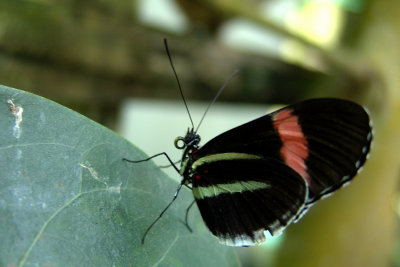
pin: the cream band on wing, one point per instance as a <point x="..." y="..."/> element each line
<point x="223" y="156"/>
<point x="202" y="192"/>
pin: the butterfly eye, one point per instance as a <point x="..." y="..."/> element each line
<point x="179" y="143"/>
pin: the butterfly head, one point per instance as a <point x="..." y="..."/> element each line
<point x="189" y="141"/>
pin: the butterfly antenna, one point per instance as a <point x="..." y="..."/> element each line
<point x="179" y="84"/>
<point x="216" y="96"/>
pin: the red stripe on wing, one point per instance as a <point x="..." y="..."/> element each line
<point x="294" y="150"/>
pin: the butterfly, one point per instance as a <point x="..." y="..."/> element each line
<point x="267" y="173"/>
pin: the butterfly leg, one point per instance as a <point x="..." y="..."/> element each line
<point x="187" y="215"/>
<point x="169" y="165"/>
<point x="161" y="214"/>
<point x="154" y="156"/>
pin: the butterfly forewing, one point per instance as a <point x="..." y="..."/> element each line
<point x="339" y="138"/>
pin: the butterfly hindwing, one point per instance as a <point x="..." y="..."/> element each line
<point x="241" y="198"/>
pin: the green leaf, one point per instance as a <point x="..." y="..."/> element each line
<point x="68" y="199"/>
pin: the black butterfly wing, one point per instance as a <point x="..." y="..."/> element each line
<point x="241" y="198"/>
<point x="325" y="141"/>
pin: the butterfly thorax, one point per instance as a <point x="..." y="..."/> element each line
<point x="190" y="144"/>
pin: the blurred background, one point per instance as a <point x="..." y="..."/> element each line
<point x="106" y="60"/>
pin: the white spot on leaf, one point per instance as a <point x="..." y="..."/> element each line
<point x="95" y="175"/>
<point x="17" y="112"/>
